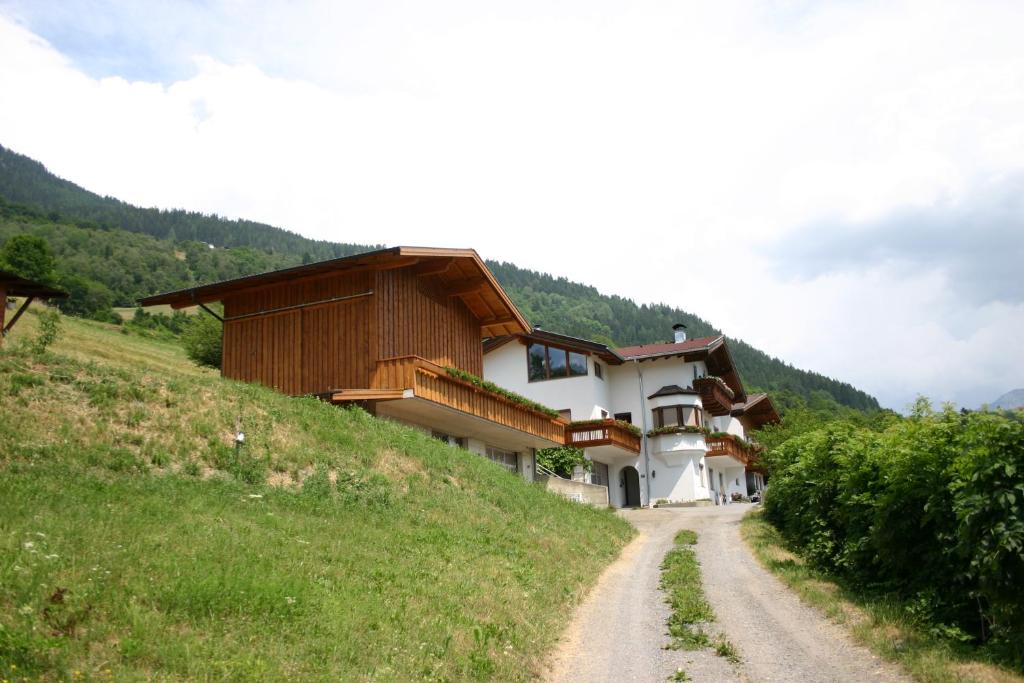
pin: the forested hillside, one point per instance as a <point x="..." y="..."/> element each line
<point x="109" y="253"/>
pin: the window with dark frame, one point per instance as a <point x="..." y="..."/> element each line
<point x="550" y="362"/>
<point x="678" y="416"/>
<point x="625" y="417"/>
<point x="598" y="370"/>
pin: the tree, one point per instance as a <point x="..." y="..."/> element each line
<point x="202" y="340"/>
<point x="28" y="256"/>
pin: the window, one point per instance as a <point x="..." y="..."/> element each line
<point x="537" y="362"/>
<point x="566" y="414"/>
<point x="549" y="362"/>
<point x="598" y="370"/>
<point x="604" y="414"/>
<point x="625" y="417"/>
<point x="577" y="364"/>
<point x="506" y="459"/>
<point x="678" y="416"/>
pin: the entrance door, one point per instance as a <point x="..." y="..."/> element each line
<point x="630" y="481"/>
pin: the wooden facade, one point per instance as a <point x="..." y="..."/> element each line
<point x="375" y="327"/>
<point x="322" y="334"/>
<point x="605" y="433"/>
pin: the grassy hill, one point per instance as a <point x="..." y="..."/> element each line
<point x="115" y="252"/>
<point x="137" y="544"/>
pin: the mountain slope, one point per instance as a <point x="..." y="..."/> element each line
<point x="136" y="543"/>
<point x="554" y="303"/>
<point x="1009" y="400"/>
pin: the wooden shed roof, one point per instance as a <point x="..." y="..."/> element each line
<point x="460" y="272"/>
<point x="14" y="285"/>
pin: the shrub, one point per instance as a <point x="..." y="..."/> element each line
<point x="562" y="459"/>
<point x="930" y="510"/>
<point x="49" y="330"/>
<point x="201" y="337"/>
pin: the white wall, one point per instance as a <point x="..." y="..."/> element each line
<point x="585" y="396"/>
<point x="730" y="425"/>
<point x="677" y="478"/>
<point x="625" y="393"/>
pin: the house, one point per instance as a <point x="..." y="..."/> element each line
<point x="397" y="331"/>
<point x="660" y="422"/>
<point x="14" y="285"/>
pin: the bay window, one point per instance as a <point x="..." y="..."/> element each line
<point x="678" y="416"/>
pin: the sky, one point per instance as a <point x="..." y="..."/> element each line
<point x="840" y="184"/>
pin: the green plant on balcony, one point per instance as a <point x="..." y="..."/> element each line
<point x="677" y="429"/>
<point x="493" y="388"/>
<point x="622" y="424"/>
<point x="740" y="441"/>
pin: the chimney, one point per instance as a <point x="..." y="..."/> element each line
<point x="679" y="331"/>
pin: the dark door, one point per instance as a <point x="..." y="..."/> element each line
<point x="631" y="486"/>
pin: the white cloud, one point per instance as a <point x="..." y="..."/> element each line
<point x="656" y="150"/>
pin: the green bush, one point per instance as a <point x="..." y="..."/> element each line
<point x="562" y="459"/>
<point x="930" y="510"/>
<point x="201" y="336"/>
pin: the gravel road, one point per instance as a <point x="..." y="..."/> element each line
<point x="619" y="631"/>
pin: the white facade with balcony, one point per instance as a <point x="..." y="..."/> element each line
<point x="652" y="391"/>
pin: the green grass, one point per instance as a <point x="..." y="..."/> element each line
<point x="883" y="626"/>
<point x="136" y="544"/>
<point x="680" y="579"/>
<point x="691" y="612"/>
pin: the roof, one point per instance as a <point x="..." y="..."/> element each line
<point x="461" y="271"/>
<point x="759" y="408"/>
<point x="672" y="390"/>
<point x="15" y="285"/>
<point x="563" y="340"/>
<point x="669" y="349"/>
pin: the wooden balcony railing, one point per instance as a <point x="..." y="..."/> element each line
<point x="715" y="395"/>
<point x="432" y="382"/>
<point x="727" y="444"/>
<point x="604" y="433"/>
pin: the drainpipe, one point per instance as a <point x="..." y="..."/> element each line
<point x="643" y="420"/>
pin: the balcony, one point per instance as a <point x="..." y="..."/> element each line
<point x="715" y="395"/>
<point x="412" y="389"/>
<point x="734" y="452"/>
<point x="604" y="438"/>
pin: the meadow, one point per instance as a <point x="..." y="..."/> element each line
<point x="138" y="543"/>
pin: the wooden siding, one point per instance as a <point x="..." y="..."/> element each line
<point x="419" y="319"/>
<point x="264" y="349"/>
<point x="309" y="350"/>
<point x="606" y="433"/>
<point x="727" y="444"/>
<point x="431" y="382"/>
<point x="296" y="337"/>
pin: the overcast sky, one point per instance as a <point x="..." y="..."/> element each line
<point x="840" y="184"/>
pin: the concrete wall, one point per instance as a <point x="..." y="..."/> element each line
<point x="585" y="396"/>
<point x="577" y="490"/>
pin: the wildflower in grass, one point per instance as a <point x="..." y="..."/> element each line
<point x="290" y="600"/>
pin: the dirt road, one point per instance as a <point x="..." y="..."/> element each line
<point x="619" y="632"/>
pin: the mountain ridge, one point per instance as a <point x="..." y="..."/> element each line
<point x="39" y="201"/>
<point x="1010" y="400"/>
